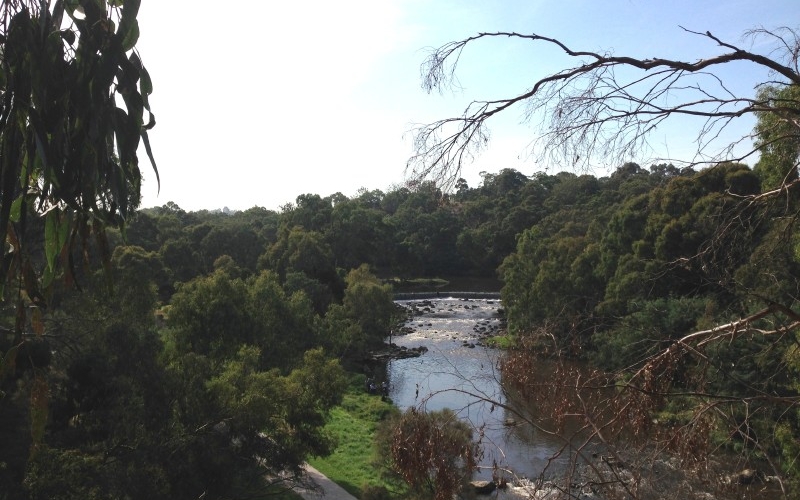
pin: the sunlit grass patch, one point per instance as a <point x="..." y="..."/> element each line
<point x="353" y="426"/>
<point x="504" y="341"/>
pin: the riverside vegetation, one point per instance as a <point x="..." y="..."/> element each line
<point x="198" y="350"/>
<point x="161" y="353"/>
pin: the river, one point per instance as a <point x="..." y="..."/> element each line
<point x="457" y="372"/>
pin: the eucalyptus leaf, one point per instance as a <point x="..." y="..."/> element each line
<point x="128" y="26"/>
<point x="51" y="248"/>
<point x="16" y="209"/>
<point x="131" y="37"/>
<point x="9" y="361"/>
<point x="48" y="275"/>
<point x="149" y="150"/>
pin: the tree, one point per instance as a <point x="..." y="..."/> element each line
<point x="214" y="315"/>
<point x="777" y="136"/>
<point x="251" y="392"/>
<point x="358" y="233"/>
<point x="606" y="106"/>
<point x="729" y="371"/>
<point x="141" y="274"/>
<point x="74" y="108"/>
<point x="426" y="232"/>
<point x="236" y="240"/>
<point x="109" y="396"/>
<point x="433" y="452"/>
<point x="364" y="317"/>
<point x="299" y="250"/>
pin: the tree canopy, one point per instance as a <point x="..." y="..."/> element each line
<point x="74" y="110"/>
<point x="680" y="284"/>
<point x="74" y="107"/>
<point x="224" y="340"/>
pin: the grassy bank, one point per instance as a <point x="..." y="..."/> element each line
<point x="353" y="425"/>
<point x="504" y="341"/>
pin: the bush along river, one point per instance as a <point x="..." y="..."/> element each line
<point x="449" y="365"/>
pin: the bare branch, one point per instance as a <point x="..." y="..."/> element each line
<point x="605" y="108"/>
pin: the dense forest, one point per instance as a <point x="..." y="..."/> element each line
<point x="160" y="353"/>
<point x="222" y="337"/>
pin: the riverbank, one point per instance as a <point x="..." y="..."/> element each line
<point x="320" y="487"/>
<point x="449" y="328"/>
<point x="353" y="426"/>
<point x="637" y="473"/>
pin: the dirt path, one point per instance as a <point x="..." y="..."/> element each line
<point x="323" y="488"/>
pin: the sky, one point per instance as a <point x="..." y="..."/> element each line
<point x="259" y="102"/>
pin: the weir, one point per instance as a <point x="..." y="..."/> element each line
<point x="445" y="295"/>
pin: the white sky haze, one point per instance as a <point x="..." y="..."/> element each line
<point x="259" y="102"/>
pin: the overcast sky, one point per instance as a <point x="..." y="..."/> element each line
<point x="259" y="102"/>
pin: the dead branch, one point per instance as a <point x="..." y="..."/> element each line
<point x="604" y="108"/>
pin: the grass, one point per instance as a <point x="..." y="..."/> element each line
<point x="417" y="283"/>
<point x="505" y="341"/>
<point x="353" y="425"/>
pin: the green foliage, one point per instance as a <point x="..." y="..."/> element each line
<point x="239" y="355"/>
<point x="76" y="108"/>
<point x="279" y="419"/>
<point x="311" y="212"/>
<point x="553" y="259"/>
<point x="634" y="236"/>
<point x="237" y="241"/>
<point x="359" y="232"/>
<point x="363" y="319"/>
<point x="318" y="293"/>
<point x="237" y="404"/>
<point x="210" y="316"/>
<point x="643" y="260"/>
<point x="355" y="460"/>
<point x="786" y="436"/>
<point x="68" y="474"/>
<point x="109" y="413"/>
<point x="773" y="251"/>
<point x="777" y="135"/>
<point x="143" y="275"/>
<point x="369" y="302"/>
<point x="302" y="251"/>
<point x="215" y="315"/>
<point x="426" y="232"/>
<point x="181" y="260"/>
<point x="648" y="328"/>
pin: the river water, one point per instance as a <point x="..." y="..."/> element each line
<point x="458" y="372"/>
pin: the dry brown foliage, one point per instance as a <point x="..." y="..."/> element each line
<point x="433" y="452"/>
